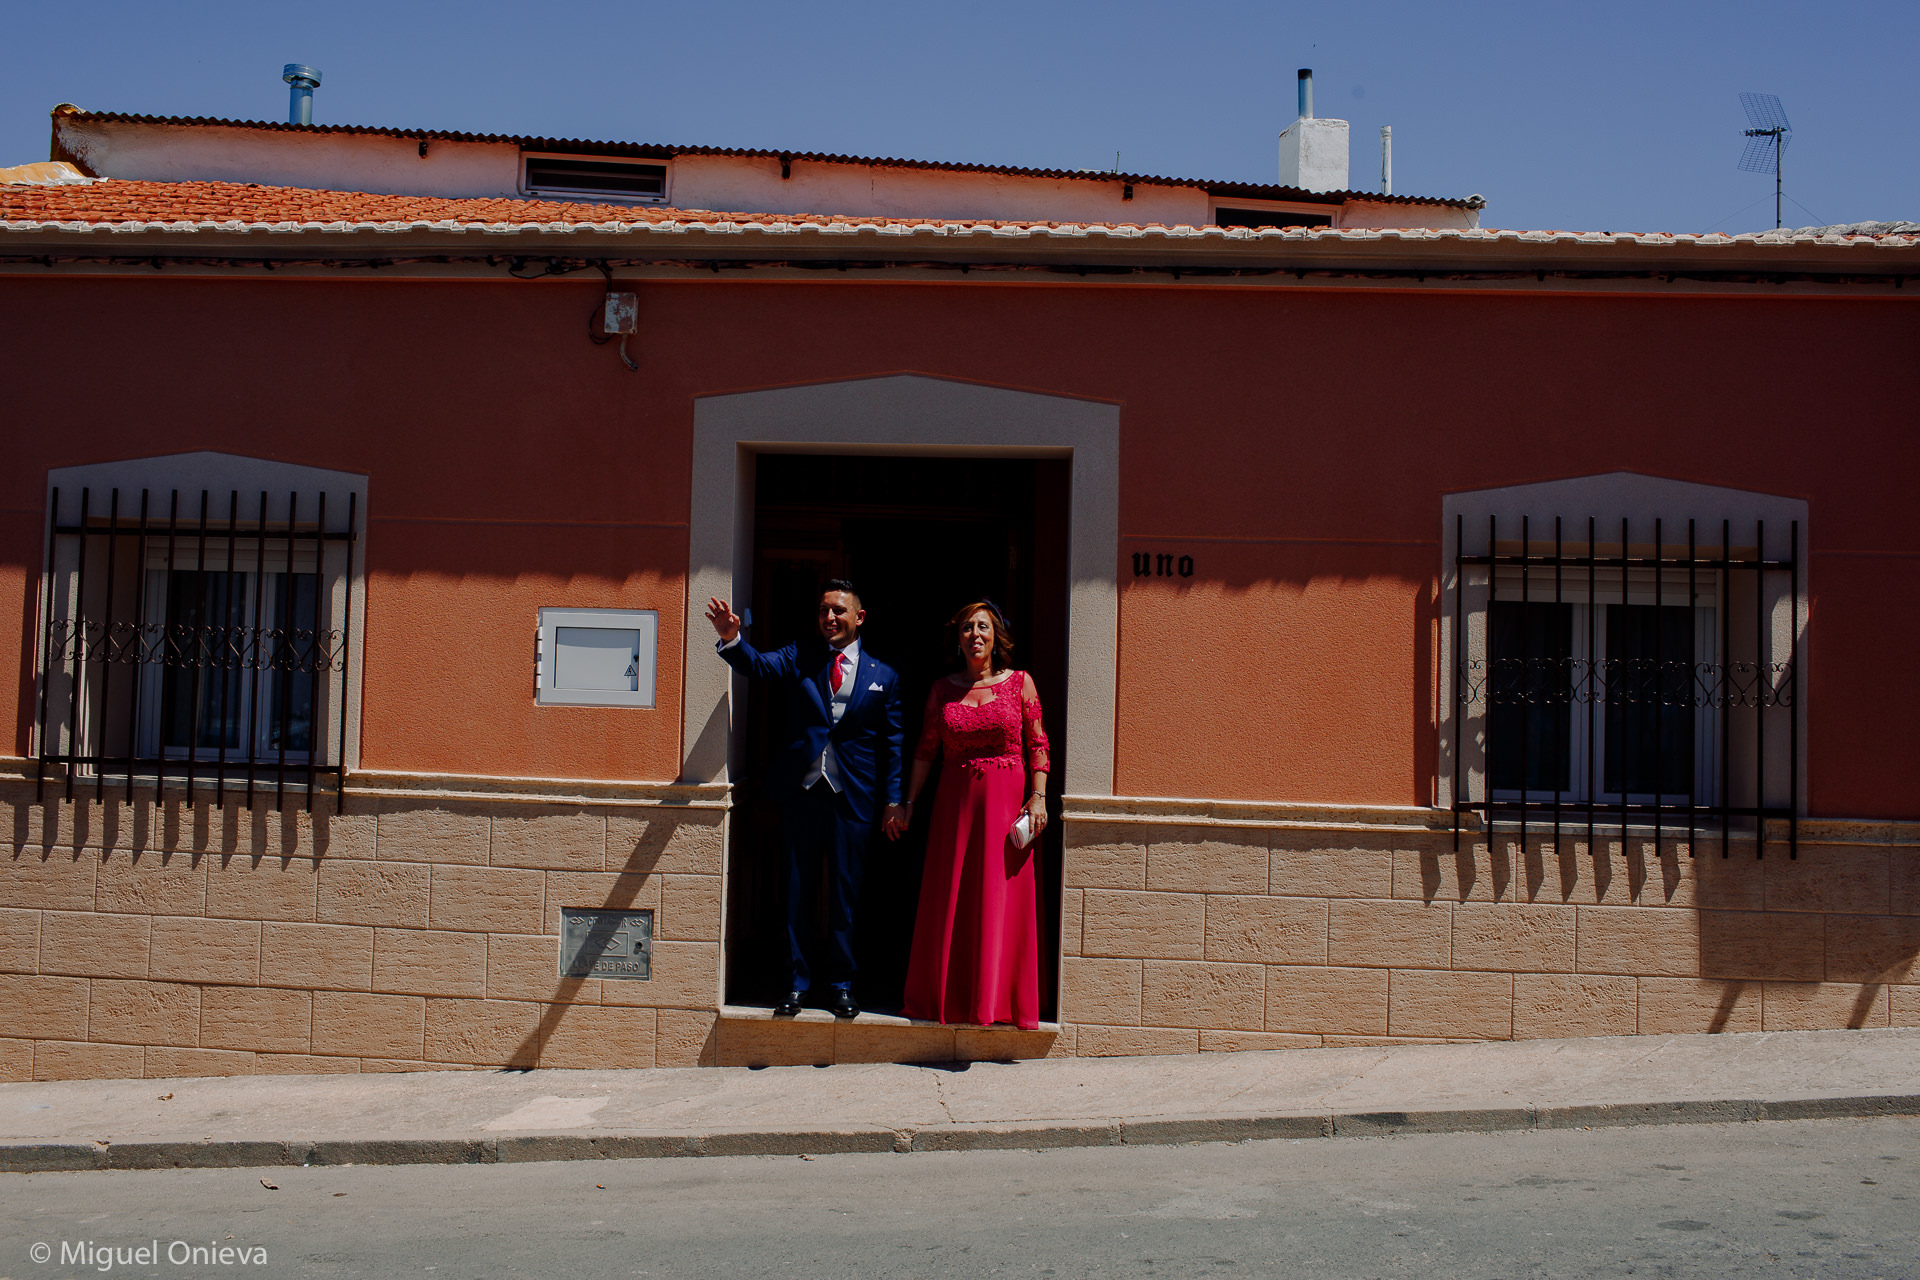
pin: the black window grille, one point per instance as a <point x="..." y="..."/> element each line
<point x="1628" y="684"/>
<point x="197" y="642"/>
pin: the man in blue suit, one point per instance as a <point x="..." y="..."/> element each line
<point x="839" y="766"/>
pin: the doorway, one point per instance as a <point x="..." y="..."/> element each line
<point x="918" y="536"/>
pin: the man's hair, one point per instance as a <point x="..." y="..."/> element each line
<point x="841" y="584"/>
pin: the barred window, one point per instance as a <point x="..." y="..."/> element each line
<point x="1595" y="700"/>
<point x="1621" y="675"/>
<point x="197" y="638"/>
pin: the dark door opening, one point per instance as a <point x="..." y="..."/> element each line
<point x="919" y="537"/>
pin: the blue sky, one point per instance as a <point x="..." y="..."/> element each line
<point x="1592" y="117"/>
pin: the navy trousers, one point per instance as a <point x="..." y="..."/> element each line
<point x="823" y="841"/>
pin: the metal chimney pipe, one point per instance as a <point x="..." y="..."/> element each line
<point x="1386" y="159"/>
<point x="1306" y="93"/>
<point x="301" y="82"/>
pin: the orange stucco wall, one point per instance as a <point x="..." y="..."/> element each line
<point x="1296" y="444"/>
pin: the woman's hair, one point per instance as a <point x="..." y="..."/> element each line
<point x="1002" y="658"/>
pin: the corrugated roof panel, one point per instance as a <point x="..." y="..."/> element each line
<point x="658" y="151"/>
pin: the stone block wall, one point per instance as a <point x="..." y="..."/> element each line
<point x="419" y="932"/>
<point x="1188" y="936"/>
<point x="407" y="933"/>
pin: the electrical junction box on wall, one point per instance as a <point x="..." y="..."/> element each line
<point x="622" y="314"/>
<point x="596" y="657"/>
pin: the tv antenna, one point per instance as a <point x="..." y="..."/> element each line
<point x="1766" y="140"/>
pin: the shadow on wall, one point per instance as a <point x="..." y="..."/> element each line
<point x="636" y="878"/>
<point x="1733" y="943"/>
<point x="175" y="825"/>
<point x="1425" y="783"/>
<point x="1830" y="936"/>
<point x="27" y="690"/>
<point x="1240" y="565"/>
<point x="1314" y="661"/>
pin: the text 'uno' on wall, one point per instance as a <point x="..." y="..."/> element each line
<point x="1154" y="564"/>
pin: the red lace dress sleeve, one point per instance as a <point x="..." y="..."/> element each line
<point x="928" y="748"/>
<point x="1032" y="733"/>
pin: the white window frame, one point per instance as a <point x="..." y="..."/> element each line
<point x="1331" y="212"/>
<point x="528" y="188"/>
<point x="1708" y="608"/>
<point x="250" y="563"/>
<point x="337" y="728"/>
<point x="1642" y="499"/>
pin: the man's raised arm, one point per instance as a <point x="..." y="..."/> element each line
<point x="742" y="656"/>
<point x="726" y="623"/>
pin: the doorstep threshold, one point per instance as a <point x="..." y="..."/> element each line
<point x="762" y="1013"/>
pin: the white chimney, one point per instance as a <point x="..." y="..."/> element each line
<point x="1313" y="152"/>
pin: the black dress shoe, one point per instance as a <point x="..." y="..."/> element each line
<point x="789" y="1004"/>
<point x="842" y="1005"/>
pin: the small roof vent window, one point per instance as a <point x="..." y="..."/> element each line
<point x="1225" y="217"/>
<point x="607" y="179"/>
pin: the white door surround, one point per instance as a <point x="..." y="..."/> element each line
<point x="904" y="414"/>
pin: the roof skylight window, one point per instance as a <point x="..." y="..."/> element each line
<point x="1225" y="216"/>
<point x="607" y="179"/>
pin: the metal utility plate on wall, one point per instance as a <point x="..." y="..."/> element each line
<point x="597" y="657"/>
<point x="596" y="943"/>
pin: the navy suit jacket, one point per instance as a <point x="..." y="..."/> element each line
<point x="868" y="740"/>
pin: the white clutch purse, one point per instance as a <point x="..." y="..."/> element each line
<point x="1022" y="832"/>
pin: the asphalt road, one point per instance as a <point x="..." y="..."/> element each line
<point x="1817" y="1198"/>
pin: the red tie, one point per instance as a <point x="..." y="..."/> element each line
<point x="835" y="678"/>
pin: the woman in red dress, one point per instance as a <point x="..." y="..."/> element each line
<point x="976" y="938"/>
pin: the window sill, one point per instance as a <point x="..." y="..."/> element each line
<point x="596" y="792"/>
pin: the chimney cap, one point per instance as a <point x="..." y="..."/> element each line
<point x="294" y="73"/>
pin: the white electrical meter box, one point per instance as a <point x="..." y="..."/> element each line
<point x="596" y="657"/>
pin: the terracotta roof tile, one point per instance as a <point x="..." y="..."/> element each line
<point x="117" y="201"/>
<point x="122" y="201"/>
<point x="214" y="206"/>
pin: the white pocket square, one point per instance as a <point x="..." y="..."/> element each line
<point x="874" y="688"/>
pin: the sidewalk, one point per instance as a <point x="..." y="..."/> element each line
<point x="461" y="1117"/>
